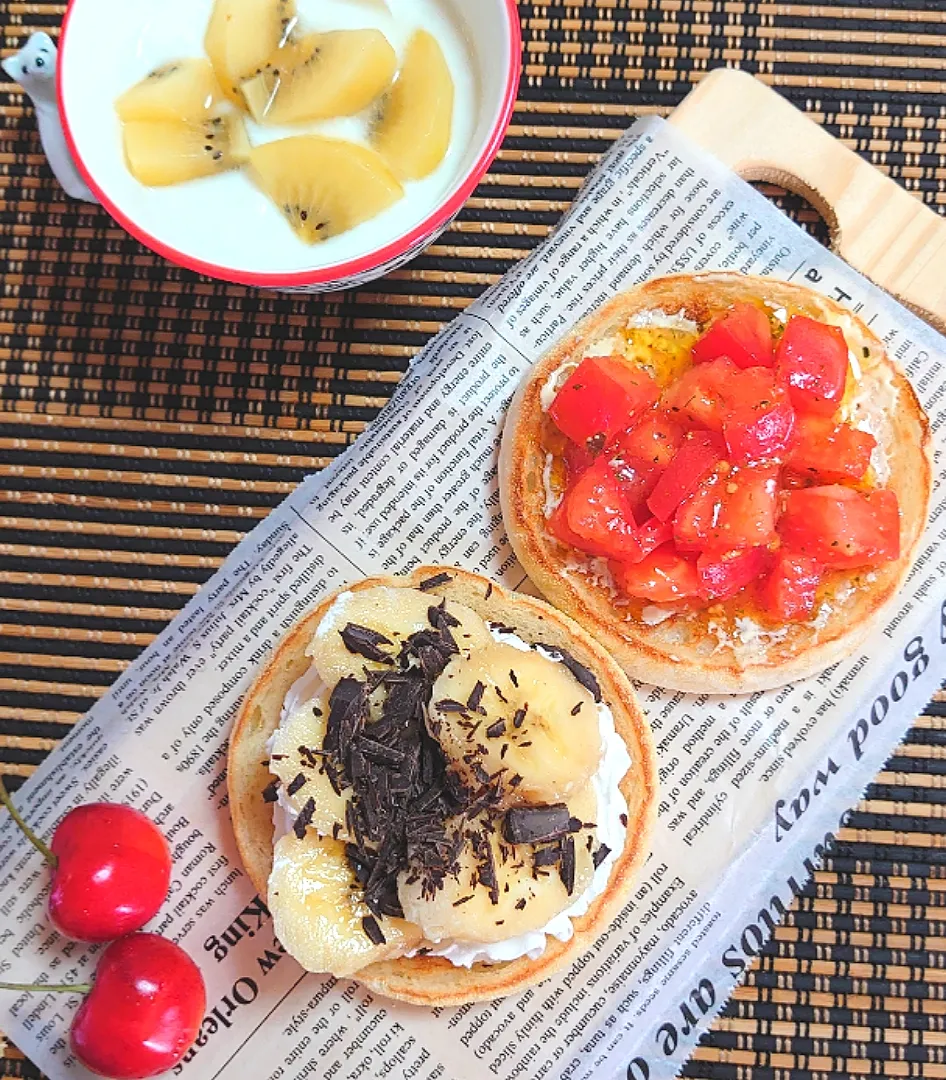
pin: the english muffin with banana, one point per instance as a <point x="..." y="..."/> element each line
<point x="724" y="479"/>
<point x="444" y="788"/>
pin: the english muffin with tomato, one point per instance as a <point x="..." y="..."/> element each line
<point x="725" y="479"/>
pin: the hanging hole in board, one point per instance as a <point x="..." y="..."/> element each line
<point x="799" y="209"/>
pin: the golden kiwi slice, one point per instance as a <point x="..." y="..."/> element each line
<point x="322" y="75"/>
<point x="242" y="36"/>
<point x="163" y="152"/>
<point x="324" y="186"/>
<point x="415" y="120"/>
<point x="182" y="90"/>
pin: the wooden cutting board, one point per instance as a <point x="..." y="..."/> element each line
<point x="876" y="226"/>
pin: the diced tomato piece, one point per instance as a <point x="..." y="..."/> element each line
<point x="829" y="453"/>
<point x="788" y="593"/>
<point x="743" y="333"/>
<point x="695" y="522"/>
<point x="841" y="527"/>
<point x="729" y="511"/>
<point x="662" y="577"/>
<point x="698" y="455"/>
<point x="760" y="424"/>
<point x="812" y="361"/>
<point x="654" y="534"/>
<point x="724" y="575"/>
<point x="638" y="479"/>
<point x="598" y="512"/>
<point x="577" y="459"/>
<point x="557" y="525"/>
<point x="602" y="396"/>
<point x="655" y="439"/>
<point x="698" y="397"/>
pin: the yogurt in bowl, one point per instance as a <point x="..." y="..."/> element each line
<point x="224" y="225"/>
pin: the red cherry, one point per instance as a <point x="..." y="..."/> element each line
<point x="111" y="872"/>
<point x="143" y="1012"/>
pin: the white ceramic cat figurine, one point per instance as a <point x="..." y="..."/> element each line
<point x="34" y="68"/>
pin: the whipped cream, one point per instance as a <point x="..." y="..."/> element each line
<point x="615" y="762"/>
<point x="554" y="383"/>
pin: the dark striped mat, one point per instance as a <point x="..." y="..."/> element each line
<point x="149" y="418"/>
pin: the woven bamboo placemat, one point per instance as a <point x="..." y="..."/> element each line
<point x="149" y="418"/>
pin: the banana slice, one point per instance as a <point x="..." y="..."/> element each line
<point x="527" y="894"/>
<point x="526" y="715"/>
<point x="390" y="616"/>
<point x="319" y="915"/>
<point x="301" y="773"/>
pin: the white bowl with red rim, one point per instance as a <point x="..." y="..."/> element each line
<point x="223" y="226"/>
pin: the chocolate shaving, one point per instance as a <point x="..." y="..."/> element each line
<point x="489" y="591"/>
<point x="441" y="619"/>
<point x="521" y="904"/>
<point x="581" y="673"/>
<point x="513" y="679"/>
<point x="577" y="708"/>
<point x="363" y="641"/>
<point x="382" y="755"/>
<point x="547" y="856"/>
<point x="373" y="932"/>
<point x="624" y="820"/>
<point x="462" y="900"/>
<point x="297" y="785"/>
<point x="600" y="855"/>
<point x="519" y="719"/>
<point x="304" y="820"/>
<point x="476" y="696"/>
<point x="271" y="792"/>
<point x="495" y="730"/>
<point x="434" y="582"/>
<point x="566" y="868"/>
<point x="536" y="825"/>
<point x="448" y="705"/>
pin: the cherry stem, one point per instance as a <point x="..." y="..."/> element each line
<point x="55" y="988"/>
<point x="41" y="847"/>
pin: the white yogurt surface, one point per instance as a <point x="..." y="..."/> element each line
<point x="611" y="831"/>
<point x="225" y="219"/>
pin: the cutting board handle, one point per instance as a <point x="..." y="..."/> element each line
<point x="876" y="226"/>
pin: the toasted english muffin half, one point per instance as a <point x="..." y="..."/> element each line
<point x="426" y="980"/>
<point x="702" y="653"/>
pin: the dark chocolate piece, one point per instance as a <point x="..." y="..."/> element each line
<point x="448" y="705"/>
<point x="297" y="785"/>
<point x="441" y="619"/>
<point x="581" y="673"/>
<point x="566" y="869"/>
<point x="271" y="792"/>
<point x="519" y="719"/>
<point x="363" y="641"/>
<point x="513" y="678"/>
<point x="600" y="855"/>
<point x="373" y="932"/>
<point x="577" y="708"/>
<point x="434" y="582"/>
<point x="495" y="730"/>
<point x="536" y="824"/>
<point x="547" y="856"/>
<point x="304" y="820"/>
<point x="476" y="696"/>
